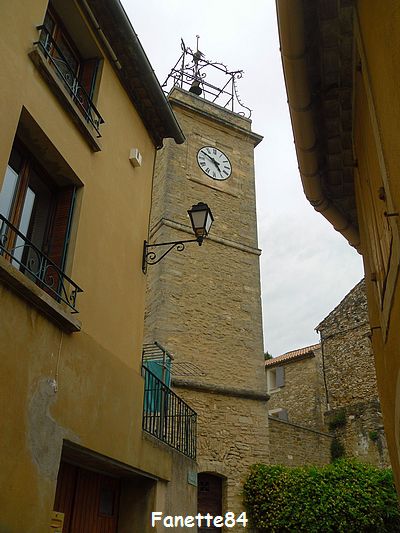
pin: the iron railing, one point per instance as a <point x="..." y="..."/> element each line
<point x="214" y="81"/>
<point x="32" y="262"/>
<point x="78" y="94"/>
<point x="167" y="417"/>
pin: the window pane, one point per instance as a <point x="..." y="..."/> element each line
<point x="44" y="36"/>
<point x="8" y="191"/>
<point x="23" y="226"/>
<point x="67" y="62"/>
<point x="40" y="216"/>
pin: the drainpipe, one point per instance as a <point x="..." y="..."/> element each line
<point x="328" y="407"/>
<point x="294" y="61"/>
<point x="146" y="71"/>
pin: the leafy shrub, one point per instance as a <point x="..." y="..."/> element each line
<point x="337" y="449"/>
<point x="373" y="435"/>
<point x="343" y="497"/>
<point x="338" y="420"/>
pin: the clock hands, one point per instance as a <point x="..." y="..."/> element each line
<point x="214" y="163"/>
<point x="213" y="160"/>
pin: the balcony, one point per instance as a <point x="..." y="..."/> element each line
<point x="167" y="417"/>
<point x="22" y="254"/>
<point x="68" y="76"/>
<point x="71" y="79"/>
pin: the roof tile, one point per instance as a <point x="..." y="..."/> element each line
<point x="287" y="357"/>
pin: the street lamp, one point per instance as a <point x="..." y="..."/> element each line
<point x="201" y="219"/>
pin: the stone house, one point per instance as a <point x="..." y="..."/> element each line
<point x="351" y="394"/>
<point x="82" y="117"/>
<point x="295" y="387"/>
<point x="297" y="433"/>
<point x="331" y="386"/>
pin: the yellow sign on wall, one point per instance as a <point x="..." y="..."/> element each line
<point x="56" y="522"/>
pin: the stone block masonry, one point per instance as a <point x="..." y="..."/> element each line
<point x="351" y="388"/>
<point x="294" y="445"/>
<point x="302" y="393"/>
<point x="347" y="351"/>
<point x="232" y="435"/>
<point x="362" y="433"/>
<point x="204" y="304"/>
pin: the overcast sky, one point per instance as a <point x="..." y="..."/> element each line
<point x="306" y="266"/>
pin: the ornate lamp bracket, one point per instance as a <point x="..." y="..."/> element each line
<point x="152" y="257"/>
<point x="201" y="218"/>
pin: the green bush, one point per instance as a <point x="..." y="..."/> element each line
<point x="343" y="497"/>
<point x="373" y="435"/>
<point x="338" y="420"/>
<point x="337" y="449"/>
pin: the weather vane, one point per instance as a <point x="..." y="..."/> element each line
<point x="210" y="79"/>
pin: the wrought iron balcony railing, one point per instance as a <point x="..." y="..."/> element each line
<point x="66" y="73"/>
<point x="32" y="262"/>
<point x="167" y="417"/>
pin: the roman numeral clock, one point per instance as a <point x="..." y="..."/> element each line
<point x="214" y="163"/>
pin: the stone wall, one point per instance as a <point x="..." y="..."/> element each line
<point x="232" y="434"/>
<point x="302" y="395"/>
<point x="362" y="433"/>
<point x="347" y="351"/>
<point x="294" y="445"/>
<point x="349" y="366"/>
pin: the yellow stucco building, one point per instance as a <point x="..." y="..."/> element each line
<point x="341" y="64"/>
<point x="82" y="116"/>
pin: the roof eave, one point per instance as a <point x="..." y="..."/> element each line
<point x="280" y="362"/>
<point x="133" y="68"/>
<point x="305" y="128"/>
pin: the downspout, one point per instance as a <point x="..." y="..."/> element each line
<point x="104" y="39"/>
<point x="328" y="407"/>
<point x="294" y="61"/>
<point x="144" y="66"/>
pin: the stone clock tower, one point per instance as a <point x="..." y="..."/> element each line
<point x="204" y="303"/>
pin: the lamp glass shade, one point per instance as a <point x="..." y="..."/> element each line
<point x="201" y="219"/>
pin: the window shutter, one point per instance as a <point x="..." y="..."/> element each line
<point x="280" y="376"/>
<point x="60" y="230"/>
<point x="87" y="80"/>
<point x="283" y="415"/>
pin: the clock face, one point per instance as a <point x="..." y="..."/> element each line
<point x="214" y="163"/>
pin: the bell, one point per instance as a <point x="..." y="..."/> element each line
<point x="195" y="87"/>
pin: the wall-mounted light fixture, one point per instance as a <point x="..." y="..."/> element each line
<point x="201" y="219"/>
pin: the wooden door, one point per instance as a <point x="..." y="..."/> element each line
<point x="209" y="496"/>
<point x="89" y="500"/>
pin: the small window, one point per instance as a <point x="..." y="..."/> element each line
<point x="78" y="74"/>
<point x="35" y="221"/>
<point x="275" y="378"/>
<point x="69" y="54"/>
<point x="280" y="414"/>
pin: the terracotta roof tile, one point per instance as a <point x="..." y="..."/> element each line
<point x="287" y="357"/>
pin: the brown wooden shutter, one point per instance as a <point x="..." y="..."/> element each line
<point x="280" y="376"/>
<point x="65" y="492"/>
<point x="88" y="75"/>
<point x="59" y="233"/>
